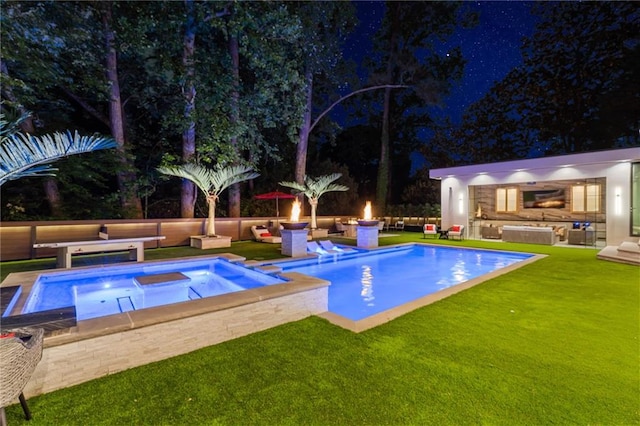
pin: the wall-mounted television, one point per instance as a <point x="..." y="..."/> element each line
<point x="543" y="199"/>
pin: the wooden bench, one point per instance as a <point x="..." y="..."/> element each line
<point x="135" y="247"/>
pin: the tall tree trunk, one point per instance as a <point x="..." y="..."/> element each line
<point x="382" y="186"/>
<point x="131" y="204"/>
<point x="303" y="140"/>
<point x="305" y="128"/>
<point x="188" y="191"/>
<point x="234" y="51"/>
<point x="50" y="184"/>
<point x="52" y="192"/>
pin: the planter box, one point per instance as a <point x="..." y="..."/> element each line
<point x="203" y="242"/>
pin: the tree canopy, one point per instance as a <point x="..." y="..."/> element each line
<point x="243" y="83"/>
<point x="577" y="90"/>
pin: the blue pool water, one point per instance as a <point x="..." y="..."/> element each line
<point x="366" y="284"/>
<point x="112" y="290"/>
<point x="363" y="283"/>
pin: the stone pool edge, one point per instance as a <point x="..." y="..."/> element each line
<point x="98" y="347"/>
<point x="375" y="320"/>
<point x="103" y="346"/>
<point x="358" y="326"/>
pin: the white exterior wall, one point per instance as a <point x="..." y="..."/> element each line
<point x="615" y="166"/>
<point x="618" y="203"/>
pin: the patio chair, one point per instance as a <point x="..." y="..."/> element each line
<point x="456" y="231"/>
<point x="430" y="229"/>
<point x="332" y="248"/>
<point x="20" y="352"/>
<point x="262" y="234"/>
<point x="399" y="226"/>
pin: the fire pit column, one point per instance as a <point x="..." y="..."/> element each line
<point x="294" y="242"/>
<point x="294" y="234"/>
<point x="367" y="230"/>
<point x="368" y="235"/>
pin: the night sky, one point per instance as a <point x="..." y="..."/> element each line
<point x="491" y="49"/>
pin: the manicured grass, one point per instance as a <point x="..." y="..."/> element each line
<point x="555" y="342"/>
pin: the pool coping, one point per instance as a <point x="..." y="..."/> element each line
<point x="110" y="324"/>
<point x="297" y="283"/>
<point x="101" y="346"/>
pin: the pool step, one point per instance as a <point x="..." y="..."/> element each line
<point x="269" y="269"/>
<point x="165" y="278"/>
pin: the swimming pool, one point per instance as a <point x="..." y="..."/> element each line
<point x="363" y="282"/>
<point x="114" y="290"/>
<point x="115" y="342"/>
<point x="367" y="283"/>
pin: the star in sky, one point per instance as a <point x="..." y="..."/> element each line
<point x="491" y="49"/>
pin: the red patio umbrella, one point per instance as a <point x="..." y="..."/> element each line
<point x="275" y="195"/>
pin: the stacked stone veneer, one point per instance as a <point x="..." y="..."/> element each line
<point x="78" y="361"/>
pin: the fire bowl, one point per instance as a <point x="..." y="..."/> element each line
<point x="294" y="225"/>
<point x="363" y="222"/>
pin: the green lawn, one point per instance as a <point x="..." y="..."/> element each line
<point x="554" y="342"/>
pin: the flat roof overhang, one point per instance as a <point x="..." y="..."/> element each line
<point x="596" y="157"/>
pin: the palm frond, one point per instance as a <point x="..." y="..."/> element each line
<point x="27" y="155"/>
<point x="196" y="173"/>
<point x="322" y="184"/>
<point x="211" y="181"/>
<point x="315" y="187"/>
<point x="223" y="177"/>
<point x="293" y="185"/>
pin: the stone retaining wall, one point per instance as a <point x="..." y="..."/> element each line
<point x="76" y="361"/>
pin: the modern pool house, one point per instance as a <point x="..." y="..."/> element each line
<point x="589" y="199"/>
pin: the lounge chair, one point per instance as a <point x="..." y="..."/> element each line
<point x="330" y="247"/>
<point x="456" y="231"/>
<point x="20" y="352"/>
<point x="313" y="247"/>
<point x="262" y="234"/>
<point x="430" y="229"/>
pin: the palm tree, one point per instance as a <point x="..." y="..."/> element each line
<point x="211" y="182"/>
<point x="24" y="155"/>
<point x="313" y="188"/>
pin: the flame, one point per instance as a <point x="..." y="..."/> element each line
<point x="295" y="211"/>
<point x="367" y="211"/>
